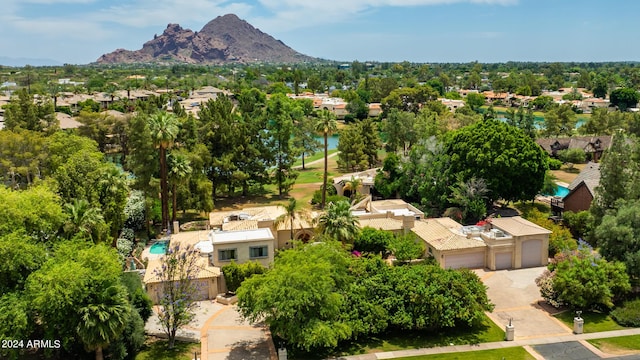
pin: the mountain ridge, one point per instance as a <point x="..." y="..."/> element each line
<point x="225" y="39"/>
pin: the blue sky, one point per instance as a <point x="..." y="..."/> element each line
<point x="79" y="31"/>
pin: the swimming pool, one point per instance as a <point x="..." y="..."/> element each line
<point x="561" y="191"/>
<point x="159" y="248"/>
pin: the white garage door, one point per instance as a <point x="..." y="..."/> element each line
<point x="503" y="261"/>
<point x="531" y="253"/>
<point x="470" y="260"/>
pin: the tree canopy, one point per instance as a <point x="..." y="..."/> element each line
<point x="510" y="162"/>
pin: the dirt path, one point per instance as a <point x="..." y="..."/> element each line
<point x="315" y="161"/>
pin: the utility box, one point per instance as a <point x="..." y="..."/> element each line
<point x="509" y="332"/>
<point x="578" y="325"/>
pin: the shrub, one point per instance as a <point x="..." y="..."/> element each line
<point x="575" y="156"/>
<point x="124" y="246"/>
<point x="235" y="274"/>
<point x="372" y="240"/>
<point x="317" y="195"/>
<point x="128" y="234"/>
<point x="555" y="164"/>
<point x="134" y="211"/>
<point x="628" y="314"/>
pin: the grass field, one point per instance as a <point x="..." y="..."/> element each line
<point x="158" y="350"/>
<point x="618" y="345"/>
<point x="487" y="331"/>
<point x="514" y="353"/>
<point x="317" y="156"/>
<point x="593" y="322"/>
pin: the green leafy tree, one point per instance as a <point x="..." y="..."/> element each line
<point x="351" y="150"/>
<point x="338" y="222"/>
<point x="304" y="137"/>
<point x="21" y="257"/>
<point x="398" y="128"/>
<point x="326" y="124"/>
<point x="308" y="316"/>
<point x="36" y="211"/>
<point x="624" y="98"/>
<point x="583" y="281"/>
<point x="177" y="290"/>
<point x="422" y="292"/>
<point x="164" y="129"/>
<point x="475" y="100"/>
<point x="70" y="295"/>
<point x="614" y="177"/>
<point x="406" y="247"/>
<point x="560" y="120"/>
<point x="511" y="163"/>
<point x="618" y="237"/>
<point x="280" y="126"/>
<point x="23" y="156"/>
<point x="23" y="113"/>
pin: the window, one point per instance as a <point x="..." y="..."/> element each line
<point x="258" y="252"/>
<point x="227" y="255"/>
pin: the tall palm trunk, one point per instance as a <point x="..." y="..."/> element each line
<point x="99" y="353"/>
<point x="164" y="191"/>
<point x="174" y="203"/>
<point x="326" y="169"/>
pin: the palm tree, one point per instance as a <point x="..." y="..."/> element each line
<point x="164" y="129"/>
<point x="103" y="321"/>
<point x="179" y="171"/>
<point x="338" y="222"/>
<point x="83" y="218"/>
<point x="353" y="185"/>
<point x="292" y="213"/>
<point x="327" y="125"/>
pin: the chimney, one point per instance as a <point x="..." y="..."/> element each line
<point x="176" y="227"/>
<point x="408" y="222"/>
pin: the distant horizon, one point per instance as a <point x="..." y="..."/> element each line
<point x="418" y="31"/>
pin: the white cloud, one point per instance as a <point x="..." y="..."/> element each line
<point x="294" y="14"/>
<point x="144" y="13"/>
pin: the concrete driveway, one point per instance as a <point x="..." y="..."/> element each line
<point x="222" y="333"/>
<point x="516" y="296"/>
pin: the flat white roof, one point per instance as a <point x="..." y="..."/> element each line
<point x="401" y="212"/>
<point x="220" y="237"/>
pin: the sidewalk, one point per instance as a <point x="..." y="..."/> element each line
<point x="493" y="345"/>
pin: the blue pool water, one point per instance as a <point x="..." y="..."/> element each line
<point x="561" y="191"/>
<point x="159" y="248"/>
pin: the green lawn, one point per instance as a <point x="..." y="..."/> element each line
<point x="487" y="331"/>
<point x="514" y="353"/>
<point x="158" y="350"/>
<point x="317" y="156"/>
<point x="622" y="343"/>
<point x="593" y="322"/>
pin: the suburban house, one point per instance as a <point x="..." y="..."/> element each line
<point x="500" y="243"/>
<point x="593" y="146"/>
<point x="582" y="191"/>
<point x="254" y="234"/>
<point x="452" y="105"/>
<point x="367" y="180"/>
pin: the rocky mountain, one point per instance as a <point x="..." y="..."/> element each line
<point x="225" y="39"/>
